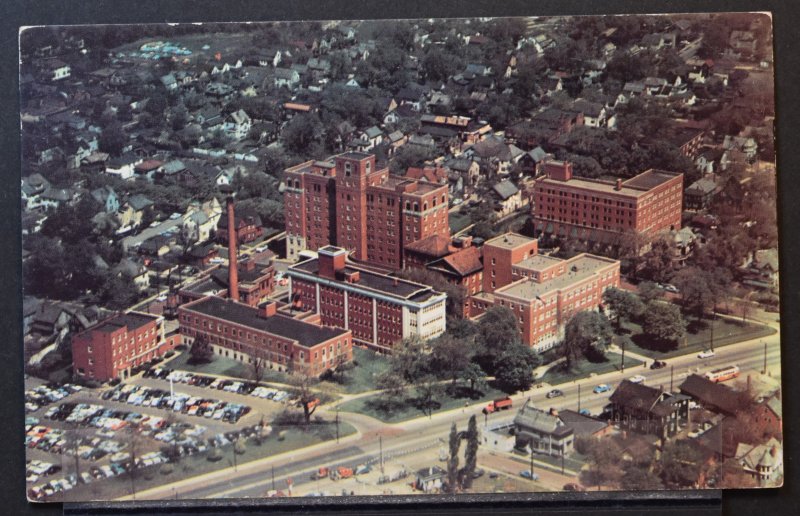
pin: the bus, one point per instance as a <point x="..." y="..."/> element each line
<point x="723" y="374"/>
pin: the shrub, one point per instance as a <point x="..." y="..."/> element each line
<point x="215" y="455"/>
<point x="167" y="469"/>
<point x="169" y="354"/>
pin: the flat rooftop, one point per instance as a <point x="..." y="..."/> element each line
<point x="538" y="262"/>
<point x="387" y="285"/>
<point x="633" y="187"/>
<point x="578" y="269"/>
<point x="131" y="320"/>
<point x="509" y="241"/>
<point x="306" y="334"/>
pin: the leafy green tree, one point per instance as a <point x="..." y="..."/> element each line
<point x="658" y="260"/>
<point x="498" y="331"/>
<point x="470" y="453"/>
<point x="702" y="289"/>
<point x="663" y="323"/>
<point x="587" y="334"/>
<point x="681" y="464"/>
<point x="604" y="468"/>
<point x="625" y="305"/>
<point x="427" y="391"/>
<point x="410" y="360"/>
<point x="649" y="292"/>
<point x="449" y="357"/>
<point x="113" y="139"/>
<point x="475" y="377"/>
<point x="452" y="460"/>
<point x="393" y="389"/>
<point x="513" y="369"/>
<point x="301" y="132"/>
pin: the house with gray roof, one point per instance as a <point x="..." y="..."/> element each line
<point x="106" y="196"/>
<point x="543" y="431"/>
<point x="508" y="198"/>
<point x="648" y="410"/>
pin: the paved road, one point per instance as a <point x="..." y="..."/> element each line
<point x="408" y="437"/>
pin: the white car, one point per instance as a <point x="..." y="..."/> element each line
<point x="706" y="354"/>
<point x="637" y="379"/>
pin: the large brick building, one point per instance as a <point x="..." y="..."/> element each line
<point x="600" y="211"/>
<point x="542" y="291"/>
<point x="256" y="282"/>
<point x="381" y="310"/>
<point x="243" y="332"/>
<point x="112" y="347"/>
<point x="348" y="202"/>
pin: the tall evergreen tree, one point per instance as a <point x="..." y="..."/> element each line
<point x="452" y="462"/>
<point x="470" y="453"/>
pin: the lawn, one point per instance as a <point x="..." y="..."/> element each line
<point x="199" y="464"/>
<point x="409" y="409"/>
<point x="225" y="367"/>
<point x="584" y="368"/>
<point x="363" y="376"/>
<point x="698" y="336"/>
<point x="459" y="220"/>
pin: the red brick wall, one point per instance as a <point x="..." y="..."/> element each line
<point x="105" y="351"/>
<point x="499" y="260"/>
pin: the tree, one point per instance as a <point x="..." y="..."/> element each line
<point x="475" y="377"/>
<point x="663" y="323"/>
<point x="200" y="352"/>
<point x="393" y="389"/>
<point x="301" y="132"/>
<point x="302" y="387"/>
<point x="427" y="390"/>
<point x="456" y="294"/>
<point x="113" y="139"/>
<point x="449" y="357"/>
<point x="681" y="464"/>
<point x="470" y="453"/>
<point x="702" y="288"/>
<point x="513" y="369"/>
<point x="587" y="334"/>
<point x="604" y="466"/>
<point x="641" y="479"/>
<point x="649" y="292"/>
<point x="452" y="461"/>
<point x="625" y="305"/>
<point x="498" y="330"/>
<point x="658" y="260"/>
<point x="257" y="365"/>
<point x="410" y="359"/>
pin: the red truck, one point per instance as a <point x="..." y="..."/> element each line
<point x="498" y="404"/>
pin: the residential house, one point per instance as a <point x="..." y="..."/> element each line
<point x="52" y="197"/>
<point x="468" y="170"/>
<point x="169" y="82"/>
<point x="648" y="410"/>
<point x="463" y="267"/>
<point x="147" y="168"/>
<point x="713" y="396"/>
<point x="238" y="124"/>
<point x="698" y="195"/>
<point x="32" y="187"/>
<point x="286" y="78"/>
<point x="248" y="228"/>
<point x="412" y="96"/>
<point x="762" y="270"/>
<point x="430" y="480"/>
<point x="55" y="69"/>
<point x="133" y="209"/>
<point x="763" y="462"/>
<point x="95" y="162"/>
<point x="543" y="431"/>
<point x="123" y="166"/>
<point x="170" y="170"/>
<point x="107" y="197"/>
<point x="508" y="198"/>
<point x="495" y="155"/>
<point x="369" y="139"/>
<point x="135" y="271"/>
<point x="395" y="140"/>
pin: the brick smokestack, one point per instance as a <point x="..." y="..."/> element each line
<point x="233" y="266"/>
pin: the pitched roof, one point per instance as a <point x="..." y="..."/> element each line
<point x="505" y="189"/>
<point x="636" y="395"/>
<point x="463" y="262"/>
<point x="434" y="246"/>
<point x="529" y="417"/>
<point x="429" y="174"/>
<point x="139" y="202"/>
<point x="711" y="394"/>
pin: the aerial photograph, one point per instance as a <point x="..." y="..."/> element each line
<point x="400" y="257"/>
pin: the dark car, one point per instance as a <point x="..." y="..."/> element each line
<point x="555" y="393"/>
<point x="574" y="487"/>
<point x="658" y="364"/>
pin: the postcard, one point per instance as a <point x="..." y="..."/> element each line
<point x="400" y="257"/>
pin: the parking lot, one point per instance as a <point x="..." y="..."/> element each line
<point x="193" y="416"/>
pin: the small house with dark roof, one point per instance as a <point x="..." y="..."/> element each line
<point x="712" y="396"/>
<point x="508" y="198"/>
<point x="248" y="228"/>
<point x="543" y="431"/>
<point x="648" y="410"/>
<point x="107" y="197"/>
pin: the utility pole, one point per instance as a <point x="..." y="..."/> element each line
<point x="562" y="461"/>
<point x="579" y="397"/>
<point x="671" y="377"/>
<point x="531" y="445"/>
<point x="713" y="319"/>
<point x="623" y="355"/>
<point x="337" y="423"/>
<point x="234" y="455"/>
<point x="765" y="359"/>
<point x="380" y="444"/>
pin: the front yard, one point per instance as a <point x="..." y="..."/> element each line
<point x="584" y="368"/>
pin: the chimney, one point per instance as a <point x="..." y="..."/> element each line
<point x="353" y="277"/>
<point x="233" y="271"/>
<point x="395" y="281"/>
<point x="331" y="260"/>
<point x="270" y="309"/>
<point x="618" y="186"/>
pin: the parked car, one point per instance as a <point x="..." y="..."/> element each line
<point x="573" y="487"/>
<point x="637" y="379"/>
<point x="603" y="387"/>
<point x="555" y="393"/>
<point x="706" y="354"/>
<point x="526" y="473"/>
<point x="658" y="364"/>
